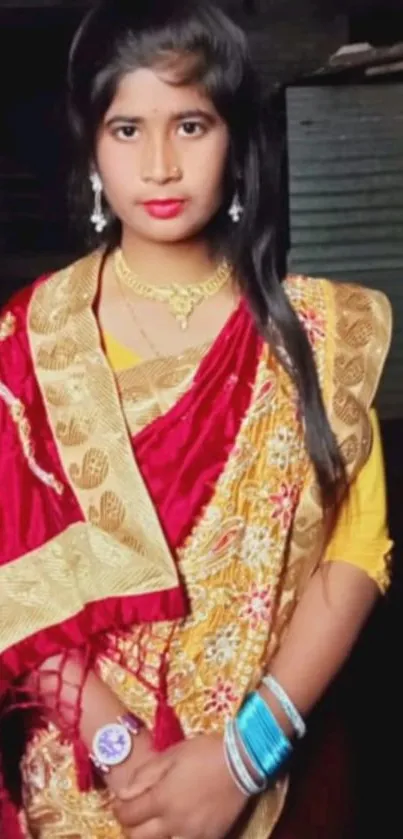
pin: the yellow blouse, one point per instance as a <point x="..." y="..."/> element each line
<point x="119" y="356"/>
<point x="361" y="535"/>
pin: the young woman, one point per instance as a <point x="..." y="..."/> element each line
<point x="193" y="506"/>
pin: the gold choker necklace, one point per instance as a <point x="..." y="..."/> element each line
<point x="181" y="300"/>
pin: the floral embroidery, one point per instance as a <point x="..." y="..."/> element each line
<point x="220" y="698"/>
<point x="263" y="401"/>
<point x="282" y="448"/>
<point x="257" y="545"/>
<point x="313" y="323"/>
<point x="221" y="648"/>
<point x="284" y="503"/>
<point x="256" y="605"/>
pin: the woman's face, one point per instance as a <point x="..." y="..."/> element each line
<point x="161" y="153"/>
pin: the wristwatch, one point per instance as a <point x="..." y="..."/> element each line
<point x="113" y="743"/>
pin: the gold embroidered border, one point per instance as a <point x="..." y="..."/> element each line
<point x="153" y="387"/>
<point x="363" y="335"/>
<point x="80" y="566"/>
<point x="86" y="417"/>
<point x="17" y="413"/>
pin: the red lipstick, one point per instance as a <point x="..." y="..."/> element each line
<point x="166" y="209"/>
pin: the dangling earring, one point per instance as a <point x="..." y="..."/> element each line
<point x="236" y="209"/>
<point x="98" y="217"/>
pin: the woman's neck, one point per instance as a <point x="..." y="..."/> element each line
<point x="163" y="264"/>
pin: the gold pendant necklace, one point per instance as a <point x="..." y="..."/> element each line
<point x="181" y="300"/>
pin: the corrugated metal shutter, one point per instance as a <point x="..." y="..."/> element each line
<point x="346" y="196"/>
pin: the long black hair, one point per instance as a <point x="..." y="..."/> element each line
<point x="117" y="37"/>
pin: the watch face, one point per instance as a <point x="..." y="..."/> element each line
<point x="112" y="744"/>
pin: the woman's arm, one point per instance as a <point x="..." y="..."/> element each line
<point x="99" y="707"/>
<point x="322" y="633"/>
<point x="341" y="594"/>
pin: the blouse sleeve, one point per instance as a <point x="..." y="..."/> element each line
<point x="361" y="534"/>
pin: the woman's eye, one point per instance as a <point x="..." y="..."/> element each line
<point x="126" y="132"/>
<point x="191" y="129"/>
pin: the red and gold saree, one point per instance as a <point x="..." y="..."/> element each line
<point x="196" y="534"/>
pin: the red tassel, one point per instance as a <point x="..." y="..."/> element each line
<point x="167" y="727"/>
<point x="83" y="764"/>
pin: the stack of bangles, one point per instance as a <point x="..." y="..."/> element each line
<point x="256" y="748"/>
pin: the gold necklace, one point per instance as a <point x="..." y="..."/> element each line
<point x="181" y="300"/>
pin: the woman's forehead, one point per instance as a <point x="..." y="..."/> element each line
<point x="146" y="92"/>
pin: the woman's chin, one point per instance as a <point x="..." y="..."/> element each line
<point x="167" y="231"/>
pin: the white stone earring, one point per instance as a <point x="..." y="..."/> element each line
<point x="98" y="218"/>
<point x="236" y="209"/>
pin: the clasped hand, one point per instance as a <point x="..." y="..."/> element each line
<point x="186" y="791"/>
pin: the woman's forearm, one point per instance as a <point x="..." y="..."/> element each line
<point x="99" y="706"/>
<point x="325" y="626"/>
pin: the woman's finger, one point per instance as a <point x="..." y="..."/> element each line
<point x="146" y="777"/>
<point x="138" y="811"/>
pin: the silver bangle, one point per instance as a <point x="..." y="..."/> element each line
<point x="236" y="765"/>
<point x="288" y="707"/>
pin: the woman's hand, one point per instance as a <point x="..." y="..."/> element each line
<point x="125" y="775"/>
<point x="185" y="792"/>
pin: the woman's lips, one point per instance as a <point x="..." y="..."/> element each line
<point x="169" y="208"/>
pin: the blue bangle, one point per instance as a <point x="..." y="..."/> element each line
<point x="288" y="707"/>
<point x="262" y="737"/>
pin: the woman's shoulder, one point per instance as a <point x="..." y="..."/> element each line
<point x="67" y="277"/>
<point x="347" y="315"/>
<point x="349" y="328"/>
<point x="13" y="324"/>
<point x="46" y="297"/>
<point x="19" y="301"/>
<point x="319" y="293"/>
